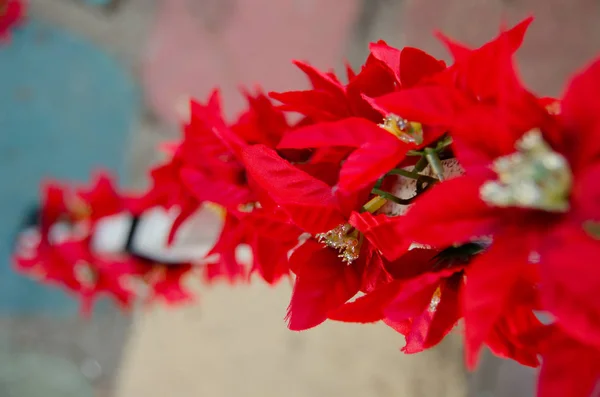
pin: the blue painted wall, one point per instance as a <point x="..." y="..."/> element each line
<point x="66" y="107"/>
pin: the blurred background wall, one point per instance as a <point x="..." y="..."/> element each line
<point x="98" y="82"/>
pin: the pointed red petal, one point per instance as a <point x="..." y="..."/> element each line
<point x="518" y="335"/>
<point x="428" y="329"/>
<point x="456" y="49"/>
<point x="323" y="283"/>
<point x="415" y="65"/>
<point x="273" y="224"/>
<point x="187" y="210"/>
<point x="487" y="70"/>
<point x="569" y="368"/>
<point x="368" y="308"/>
<point x="318" y="105"/>
<point x="374" y="80"/>
<point x="579" y="112"/>
<point x="351" y="132"/>
<point x="429" y="105"/>
<point x="450" y="212"/>
<point x="389" y="56"/>
<point x="227" y="264"/>
<point x="381" y="231"/>
<point x="270" y="258"/>
<point x="309" y="201"/>
<point x="490" y="278"/>
<point x="202" y="188"/>
<point x="370" y="162"/>
<point x="415" y="295"/>
<point x="320" y="80"/>
<point x="570" y="279"/>
<point x="350" y="74"/>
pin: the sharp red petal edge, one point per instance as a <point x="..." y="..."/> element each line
<point x="416" y="65"/>
<point x="450" y="212"/>
<point x="490" y="277"/>
<point x="569" y="368"/>
<point x="368" y="308"/>
<point x="569" y="278"/>
<point x="389" y="56"/>
<point x="432" y="105"/>
<point x="370" y="161"/>
<point x="431" y="326"/>
<point x="308" y="201"/>
<point x="579" y="114"/>
<point x="350" y="132"/>
<point x="415" y="295"/>
<point x="322" y="81"/>
<point x="323" y="283"/>
<point x="270" y="258"/>
<point x="381" y="231"/>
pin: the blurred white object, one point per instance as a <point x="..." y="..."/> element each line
<point x="193" y="240"/>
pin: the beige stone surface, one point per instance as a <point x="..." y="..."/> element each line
<point x="235" y="343"/>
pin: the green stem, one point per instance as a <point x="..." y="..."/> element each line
<point x="412" y="175"/>
<point x="435" y="163"/>
<point x="391" y="197"/>
<point x="443" y="143"/>
<point x="421" y="164"/>
<point x="414" y="153"/>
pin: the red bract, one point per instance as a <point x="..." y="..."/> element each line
<point x="90" y="275"/>
<point x="61" y="253"/>
<point x="536" y="218"/>
<point x="262" y="123"/>
<point x="12" y="13"/>
<point x="331" y="267"/>
<point x="477" y="76"/>
<point x="101" y="200"/>
<point x="201" y="169"/>
<point x="376" y="144"/>
<point x="570" y="368"/>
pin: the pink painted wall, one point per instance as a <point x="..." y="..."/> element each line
<point x="198" y="44"/>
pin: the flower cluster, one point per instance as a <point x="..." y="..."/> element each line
<point x="418" y="194"/>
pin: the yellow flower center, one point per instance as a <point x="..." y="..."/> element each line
<point x="406" y="131"/>
<point x="345" y="239"/>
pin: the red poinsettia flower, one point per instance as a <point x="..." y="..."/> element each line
<point x="422" y="301"/>
<point x="386" y="70"/>
<point x="91" y="275"/>
<point x="62" y="255"/>
<point x="12" y="13"/>
<point x="376" y="145"/>
<point x="333" y="265"/>
<point x="524" y="185"/>
<point x="101" y="200"/>
<point x="201" y="169"/>
<point x="261" y="123"/>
